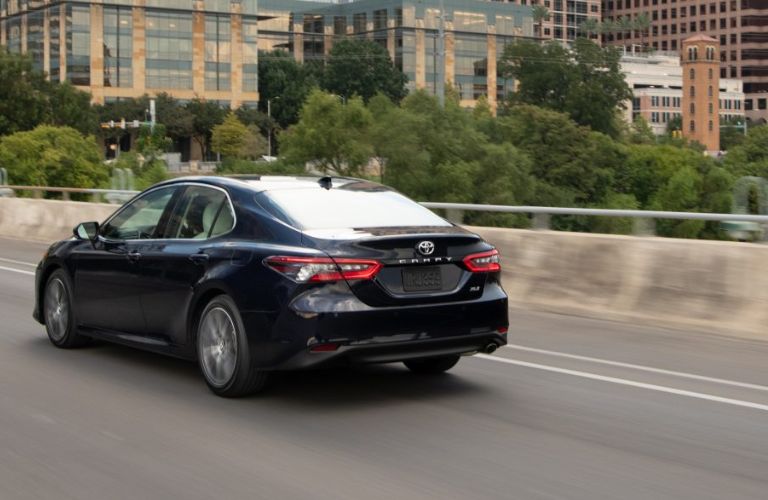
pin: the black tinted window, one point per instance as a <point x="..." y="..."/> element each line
<point x="317" y="208"/>
<point x="141" y="218"/>
<point x="203" y="212"/>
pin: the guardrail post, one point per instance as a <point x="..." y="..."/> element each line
<point x="454" y="215"/>
<point x="644" y="227"/>
<point x="541" y="221"/>
<point x="65" y="195"/>
<point x="37" y="193"/>
<point x="96" y="197"/>
<point x="3" y="176"/>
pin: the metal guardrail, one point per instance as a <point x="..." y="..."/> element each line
<point x="455" y="211"/>
<point x="96" y="194"/>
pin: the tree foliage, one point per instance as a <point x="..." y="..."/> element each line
<point x="52" y="156"/>
<point x="585" y="82"/>
<point x="331" y="135"/>
<point x="229" y="138"/>
<point x="285" y="83"/>
<point x="362" y="68"/>
<point x="205" y="116"/>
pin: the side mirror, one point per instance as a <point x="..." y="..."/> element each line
<point x="86" y="231"/>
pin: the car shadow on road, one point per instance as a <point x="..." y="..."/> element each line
<point x="331" y="389"/>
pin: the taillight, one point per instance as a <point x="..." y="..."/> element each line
<point x="486" y="262"/>
<point x="323" y="269"/>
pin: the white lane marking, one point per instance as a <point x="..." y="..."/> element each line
<point x="20" y="271"/>
<point x="19" y="262"/>
<point x="650" y="369"/>
<point x="631" y="383"/>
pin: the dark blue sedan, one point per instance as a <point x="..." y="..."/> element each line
<point x="249" y="276"/>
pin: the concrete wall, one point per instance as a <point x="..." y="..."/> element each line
<point x="47" y="220"/>
<point x="711" y="285"/>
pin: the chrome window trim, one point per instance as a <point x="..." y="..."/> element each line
<point x="167" y="186"/>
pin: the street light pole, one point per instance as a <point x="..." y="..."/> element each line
<point x="269" y="121"/>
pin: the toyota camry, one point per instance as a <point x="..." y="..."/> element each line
<point x="249" y="276"/>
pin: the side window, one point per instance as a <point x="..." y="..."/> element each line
<point x="202" y="213"/>
<point x="142" y="218"/>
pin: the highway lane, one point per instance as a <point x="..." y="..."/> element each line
<point x="110" y="422"/>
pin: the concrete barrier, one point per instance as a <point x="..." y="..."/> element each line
<point x="47" y="220"/>
<point x="712" y="285"/>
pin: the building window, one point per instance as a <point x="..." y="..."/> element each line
<point x="35" y="38"/>
<point x="692" y="74"/>
<point x="693" y="53"/>
<point x="339" y="25"/>
<point x="218" y="54"/>
<point x="692" y="126"/>
<point x="693" y="91"/>
<point x="709" y="91"/>
<point x="360" y="23"/>
<point x="654" y="101"/>
<point x="710" y="53"/>
<point x="118" y="46"/>
<point x="711" y="125"/>
<point x="761" y="103"/>
<point x="711" y="108"/>
<point x="710" y="73"/>
<point x="692" y="109"/>
<point x="250" y="55"/>
<point x="79" y="44"/>
<point x="169" y="50"/>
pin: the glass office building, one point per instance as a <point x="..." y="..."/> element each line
<point x="209" y="48"/>
<point x="476" y="33"/>
<point x="126" y="48"/>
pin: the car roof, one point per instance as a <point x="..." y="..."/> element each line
<point x="259" y="183"/>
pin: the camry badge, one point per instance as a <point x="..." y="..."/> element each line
<point x="425" y="247"/>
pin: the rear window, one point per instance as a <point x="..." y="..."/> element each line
<point x="318" y="208"/>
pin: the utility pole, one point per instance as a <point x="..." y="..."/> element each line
<point x="152" y="114"/>
<point x="441" y="56"/>
<point x="269" y="121"/>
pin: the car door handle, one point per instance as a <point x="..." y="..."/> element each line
<point x="133" y="256"/>
<point x="199" y="258"/>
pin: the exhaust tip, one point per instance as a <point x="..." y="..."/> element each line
<point x="490" y="348"/>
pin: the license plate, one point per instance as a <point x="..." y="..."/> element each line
<point x="422" y="279"/>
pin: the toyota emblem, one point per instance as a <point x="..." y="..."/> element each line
<point x="426" y="247"/>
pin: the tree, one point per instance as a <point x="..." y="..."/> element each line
<point x="641" y="24"/>
<point x="731" y="134"/>
<point x="255" y="145"/>
<point x="586" y="82"/>
<point x="591" y="26"/>
<point x="229" y="138"/>
<point x="540" y="14"/>
<point x="286" y="84"/>
<point x="205" y="116"/>
<point x="363" y="68"/>
<point x="751" y="156"/>
<point x="71" y="107"/>
<point x="52" y="156"/>
<point x="23" y="99"/>
<point x="331" y="135"/>
<point x="179" y="121"/>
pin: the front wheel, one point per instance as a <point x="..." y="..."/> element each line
<point x="223" y="351"/>
<point x="59" y="313"/>
<point x="432" y="366"/>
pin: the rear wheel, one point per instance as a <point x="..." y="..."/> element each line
<point x="432" y="366"/>
<point x="59" y="313"/>
<point x="223" y="351"/>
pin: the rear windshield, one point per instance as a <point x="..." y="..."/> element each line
<point x="318" y="208"/>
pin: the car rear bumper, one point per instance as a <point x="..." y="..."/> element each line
<point x="361" y="334"/>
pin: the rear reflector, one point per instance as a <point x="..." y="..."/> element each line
<point x="324" y="348"/>
<point x="502" y="329"/>
<point x="486" y="262"/>
<point x="323" y="269"/>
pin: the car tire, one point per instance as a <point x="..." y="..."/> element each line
<point x="432" y="366"/>
<point x="224" y="352"/>
<point x="59" y="312"/>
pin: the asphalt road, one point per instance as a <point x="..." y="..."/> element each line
<point x="580" y="409"/>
